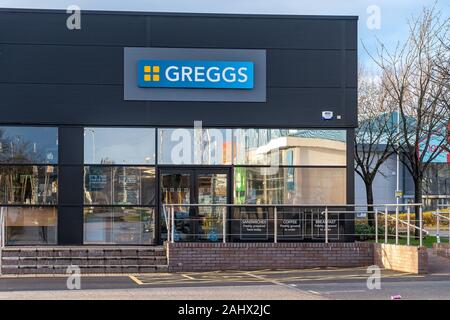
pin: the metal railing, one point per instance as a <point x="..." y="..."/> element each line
<point x="2" y="235"/>
<point x="254" y="222"/>
<point x="440" y="213"/>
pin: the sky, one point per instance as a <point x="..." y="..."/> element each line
<point x="383" y="19"/>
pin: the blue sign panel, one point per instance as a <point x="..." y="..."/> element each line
<point x="195" y="74"/>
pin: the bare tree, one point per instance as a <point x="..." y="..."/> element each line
<point x="416" y="81"/>
<point x="376" y="132"/>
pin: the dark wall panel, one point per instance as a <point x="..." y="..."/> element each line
<point x="51" y="75"/>
<point x="50" y="28"/>
<point x="70" y="225"/>
<point x="104" y="65"/>
<point x="61" y="64"/>
<point x="103" y="105"/>
<point x="70" y="185"/>
<point x="236" y="32"/>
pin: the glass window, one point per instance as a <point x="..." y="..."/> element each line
<point x="194" y="146"/>
<point x="119" y="146"/>
<point x="289" y="147"/>
<point x="263" y="185"/>
<point x="30" y="225"/>
<point x="36" y="145"/>
<point x="28" y="184"/>
<point x="119" y="225"/>
<point x="119" y="185"/>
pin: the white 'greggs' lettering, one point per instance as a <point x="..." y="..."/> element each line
<point x="201" y="74"/>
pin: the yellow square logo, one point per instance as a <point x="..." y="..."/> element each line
<point x="155" y="68"/>
<point x="147" y="69"/>
<point x="156" y="77"/>
<point x="147" y="77"/>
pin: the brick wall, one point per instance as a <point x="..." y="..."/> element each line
<point x="251" y="256"/>
<point x="442" y="249"/>
<point x="401" y="258"/>
<point x="56" y="260"/>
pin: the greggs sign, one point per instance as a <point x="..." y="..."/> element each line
<point x="195" y="74"/>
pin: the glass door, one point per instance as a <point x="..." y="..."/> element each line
<point x="194" y="186"/>
<point x="211" y="188"/>
<point x="177" y="188"/>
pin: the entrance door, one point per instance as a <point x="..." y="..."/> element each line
<point x="194" y="186"/>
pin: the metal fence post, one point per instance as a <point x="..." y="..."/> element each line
<point x="438" y="220"/>
<point x="326" y="224"/>
<point x="2" y="238"/>
<point x="448" y="224"/>
<point x="421" y="226"/>
<point x="275" y="225"/>
<point x="224" y="225"/>
<point x="172" y="224"/>
<point x="376" y="225"/>
<point x="396" y="224"/>
<point x="386" y="225"/>
<point x="408" y="226"/>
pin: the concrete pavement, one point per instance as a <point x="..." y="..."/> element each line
<point x="263" y="292"/>
<point x="309" y="284"/>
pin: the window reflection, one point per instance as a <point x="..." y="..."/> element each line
<point x="119" y="225"/>
<point x="34" y="145"/>
<point x="119" y="185"/>
<point x="30" y="225"/>
<point x="119" y="146"/>
<point x="258" y="185"/>
<point x="194" y="146"/>
<point x="28" y="185"/>
<point x="290" y="147"/>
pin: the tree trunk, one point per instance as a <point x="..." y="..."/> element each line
<point x="417" y="199"/>
<point x="369" y="197"/>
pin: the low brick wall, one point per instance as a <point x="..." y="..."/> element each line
<point x="401" y="258"/>
<point x="56" y="260"/>
<point x="442" y="249"/>
<point x="252" y="256"/>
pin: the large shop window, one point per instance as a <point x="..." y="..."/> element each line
<point x="290" y="147"/>
<point x="124" y="225"/>
<point x="29" y="184"/>
<point x="119" y="146"/>
<point x="267" y="185"/>
<point x="119" y="186"/>
<point x="195" y="146"/>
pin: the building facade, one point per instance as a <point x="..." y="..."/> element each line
<point x="102" y="125"/>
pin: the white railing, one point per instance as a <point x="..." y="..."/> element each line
<point x="441" y="215"/>
<point x="178" y="218"/>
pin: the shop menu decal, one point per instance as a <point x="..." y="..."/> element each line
<point x="333" y="226"/>
<point x="254" y="229"/>
<point x="195" y="74"/>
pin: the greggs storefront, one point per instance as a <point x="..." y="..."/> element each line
<point x="103" y="125"/>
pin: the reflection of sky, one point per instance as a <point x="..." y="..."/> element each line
<point x="41" y="142"/>
<point x="119" y="145"/>
<point x="260" y="137"/>
<point x="211" y="142"/>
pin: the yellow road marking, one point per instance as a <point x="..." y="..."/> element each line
<point x="139" y="282"/>
<point x="253" y="277"/>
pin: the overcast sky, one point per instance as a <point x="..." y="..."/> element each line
<point x="394" y="13"/>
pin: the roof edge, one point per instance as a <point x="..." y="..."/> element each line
<point x="186" y="14"/>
